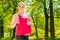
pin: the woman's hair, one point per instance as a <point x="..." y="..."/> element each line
<point x="21" y="3"/>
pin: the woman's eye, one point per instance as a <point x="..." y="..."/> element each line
<point x="21" y="6"/>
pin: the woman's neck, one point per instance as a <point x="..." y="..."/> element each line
<point x="21" y="13"/>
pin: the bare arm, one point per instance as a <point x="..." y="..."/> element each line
<point x="13" y="22"/>
<point x="29" y="22"/>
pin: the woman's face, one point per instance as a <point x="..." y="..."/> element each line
<point x="21" y="7"/>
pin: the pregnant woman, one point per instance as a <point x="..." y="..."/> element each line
<point x="22" y="22"/>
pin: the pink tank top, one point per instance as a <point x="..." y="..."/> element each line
<point x="22" y="28"/>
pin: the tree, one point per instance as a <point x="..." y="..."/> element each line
<point x="46" y="20"/>
<point x="1" y="25"/>
<point x="1" y="28"/>
<point x="14" y="11"/>
<point x="52" y="29"/>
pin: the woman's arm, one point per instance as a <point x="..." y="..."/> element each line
<point x="13" y="22"/>
<point x="30" y="20"/>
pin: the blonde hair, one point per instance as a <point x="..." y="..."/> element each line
<point x="22" y="4"/>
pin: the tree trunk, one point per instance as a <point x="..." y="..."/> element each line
<point x="14" y="11"/>
<point x="52" y="29"/>
<point x="46" y="20"/>
<point x="35" y="26"/>
<point x="1" y="29"/>
<point x="14" y="32"/>
<point x="14" y="28"/>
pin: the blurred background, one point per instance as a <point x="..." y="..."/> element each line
<point x="45" y="16"/>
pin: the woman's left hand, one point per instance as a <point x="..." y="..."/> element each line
<point x="28" y="23"/>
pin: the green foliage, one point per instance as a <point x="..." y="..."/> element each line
<point x="36" y="10"/>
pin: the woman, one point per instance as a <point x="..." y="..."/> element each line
<point x="22" y="22"/>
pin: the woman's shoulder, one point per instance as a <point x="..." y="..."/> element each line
<point x="15" y="15"/>
<point x="27" y="13"/>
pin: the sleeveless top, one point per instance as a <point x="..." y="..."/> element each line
<point x="22" y="28"/>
